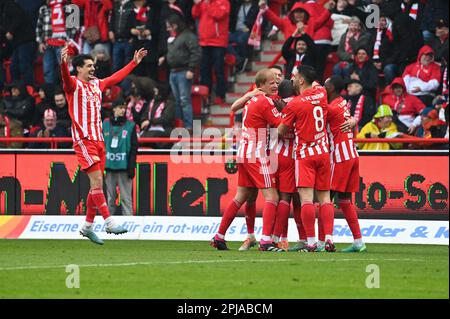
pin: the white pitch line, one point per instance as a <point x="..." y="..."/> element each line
<point x="148" y="263"/>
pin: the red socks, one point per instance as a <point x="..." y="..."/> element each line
<point x="99" y="200"/>
<point x="326" y="215"/>
<point x="250" y="216"/>
<point x="228" y="216"/>
<point x="298" y="222"/>
<point x="349" y="210"/>
<point x="282" y="218"/>
<point x="269" y="214"/>
<point x="91" y="209"/>
<point x="308" y="216"/>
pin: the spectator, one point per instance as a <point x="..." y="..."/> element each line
<point x="50" y="128"/>
<point x="18" y="107"/>
<point x="46" y="94"/>
<point x="317" y="21"/>
<point x="299" y="49"/>
<point x="341" y="15"/>
<point x="242" y="17"/>
<point x="381" y="126"/>
<point x="18" y="32"/>
<point x="354" y="38"/>
<point x="158" y="118"/>
<point x="213" y="21"/>
<point x="136" y="105"/>
<point x="405" y="105"/>
<point x="433" y="11"/>
<point x="183" y="55"/>
<point x="408" y="40"/>
<point x="96" y="13"/>
<point x="102" y="61"/>
<point x="383" y="50"/>
<point x="362" y="106"/>
<point x="440" y="43"/>
<point x="363" y="70"/>
<point x="120" y="34"/>
<point x="422" y="78"/>
<point x="430" y="126"/>
<point x="62" y="110"/>
<point x="121" y="150"/>
<point x="298" y="13"/>
<point x="168" y="8"/>
<point x="144" y="29"/>
<point x="52" y="35"/>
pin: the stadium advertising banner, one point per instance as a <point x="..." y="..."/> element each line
<point x="203" y="228"/>
<point x="395" y="187"/>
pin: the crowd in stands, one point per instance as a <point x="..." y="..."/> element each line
<point x="395" y="67"/>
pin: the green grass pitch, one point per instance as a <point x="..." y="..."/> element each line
<point x="181" y="269"/>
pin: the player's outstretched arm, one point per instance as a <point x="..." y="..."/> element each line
<point x="123" y="73"/>
<point x="240" y="102"/>
<point x="68" y="82"/>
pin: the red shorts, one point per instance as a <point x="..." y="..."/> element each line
<point x="90" y="152"/>
<point x="345" y="176"/>
<point x="313" y="172"/>
<point x="256" y="175"/>
<point x="286" y="175"/>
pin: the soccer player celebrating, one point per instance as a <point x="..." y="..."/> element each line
<point x="308" y="113"/>
<point x="84" y="95"/>
<point x="253" y="163"/>
<point x="344" y="158"/>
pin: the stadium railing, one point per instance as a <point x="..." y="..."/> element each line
<point x="54" y="141"/>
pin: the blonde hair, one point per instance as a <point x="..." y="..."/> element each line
<point x="262" y="76"/>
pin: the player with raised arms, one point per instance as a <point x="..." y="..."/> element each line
<point x="84" y="95"/>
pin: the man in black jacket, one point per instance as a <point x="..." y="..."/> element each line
<point x="242" y="17"/>
<point x="362" y="107"/>
<point x="19" y="106"/>
<point x="120" y="33"/>
<point x="183" y="56"/>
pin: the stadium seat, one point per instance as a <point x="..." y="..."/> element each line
<point x="200" y="95"/>
<point x="331" y="60"/>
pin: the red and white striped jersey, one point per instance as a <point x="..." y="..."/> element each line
<point x="285" y="146"/>
<point x="307" y="113"/>
<point x="342" y="147"/>
<point x="259" y="115"/>
<point x="85" y="101"/>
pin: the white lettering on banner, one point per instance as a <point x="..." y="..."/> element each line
<point x="203" y="228"/>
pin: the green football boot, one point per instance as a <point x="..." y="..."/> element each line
<point x="89" y="233"/>
<point x="355" y="249"/>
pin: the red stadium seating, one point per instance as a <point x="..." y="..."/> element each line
<point x="199" y="98"/>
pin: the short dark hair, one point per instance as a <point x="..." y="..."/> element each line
<point x="337" y="82"/>
<point x="308" y="73"/>
<point x="175" y="19"/>
<point x="78" y="61"/>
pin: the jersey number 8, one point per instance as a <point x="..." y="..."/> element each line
<point x="318" y="117"/>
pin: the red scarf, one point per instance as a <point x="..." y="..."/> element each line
<point x="413" y="11"/>
<point x="158" y="111"/>
<point x="256" y="33"/>
<point x="376" y="47"/>
<point x="7" y="129"/>
<point x="349" y="35"/>
<point x="399" y="103"/>
<point x="298" y="61"/>
<point x="58" y="21"/>
<point x="176" y="8"/>
<point x="137" y="106"/>
<point x="445" y="82"/>
<point x="359" y="108"/>
<point x="141" y="14"/>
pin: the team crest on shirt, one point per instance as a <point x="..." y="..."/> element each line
<point x="124" y="134"/>
<point x="96" y="158"/>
